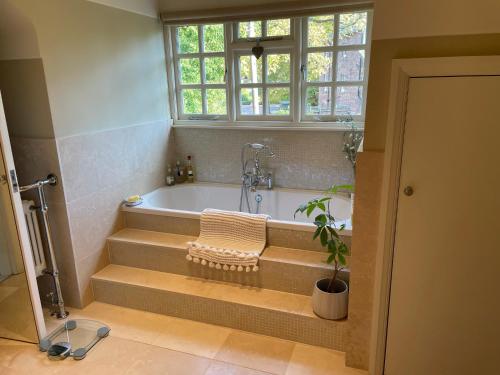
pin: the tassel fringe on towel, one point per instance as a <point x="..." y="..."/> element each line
<point x="244" y="261"/>
<point x="229" y="241"/>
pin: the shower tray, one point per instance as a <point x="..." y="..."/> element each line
<point x="74" y="339"/>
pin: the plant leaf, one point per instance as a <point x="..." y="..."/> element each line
<point x="321" y="206"/>
<point x="310" y="209"/>
<point x="330" y="259"/>
<point x="318" y="231"/>
<point x="321" y="218"/>
<point x="332" y="231"/>
<point x="332" y="246"/>
<point x="342" y="260"/>
<point x="343" y="249"/>
<point x="323" y="236"/>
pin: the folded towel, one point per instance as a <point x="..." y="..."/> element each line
<point x="229" y="240"/>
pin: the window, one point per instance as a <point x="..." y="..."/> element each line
<point x="334" y="65"/>
<point x="311" y="70"/>
<point x="200" y="71"/>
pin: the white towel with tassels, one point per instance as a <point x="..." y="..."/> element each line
<point x="229" y="240"/>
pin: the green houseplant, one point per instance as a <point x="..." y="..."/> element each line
<point x="330" y="294"/>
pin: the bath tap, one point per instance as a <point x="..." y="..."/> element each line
<point x="257" y="175"/>
<point x="251" y="179"/>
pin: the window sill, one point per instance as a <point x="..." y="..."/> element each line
<point x="268" y="125"/>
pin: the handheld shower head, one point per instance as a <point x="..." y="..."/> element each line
<point x="259" y="147"/>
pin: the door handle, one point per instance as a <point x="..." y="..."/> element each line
<point x="408" y="190"/>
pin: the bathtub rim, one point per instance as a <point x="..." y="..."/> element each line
<point x="195" y="215"/>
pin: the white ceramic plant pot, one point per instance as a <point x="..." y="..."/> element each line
<point x="330" y="305"/>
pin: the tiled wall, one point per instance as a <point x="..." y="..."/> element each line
<point x="304" y="159"/>
<point x="363" y="254"/>
<point x="35" y="158"/>
<point x="97" y="171"/>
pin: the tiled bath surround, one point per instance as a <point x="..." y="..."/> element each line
<point x="99" y="170"/>
<point x="304" y="159"/>
<point x="96" y="172"/>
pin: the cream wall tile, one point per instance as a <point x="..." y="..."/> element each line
<point x="86" y="267"/>
<point x="35" y="158"/>
<point x="99" y="170"/>
<point x="258" y="352"/>
<point x="363" y="255"/>
<point x="307" y="160"/>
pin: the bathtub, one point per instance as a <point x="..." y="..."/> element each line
<point x="188" y="200"/>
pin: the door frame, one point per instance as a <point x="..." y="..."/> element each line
<point x="402" y="71"/>
<point x="22" y="231"/>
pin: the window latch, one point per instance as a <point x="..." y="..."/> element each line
<point x="303" y="71"/>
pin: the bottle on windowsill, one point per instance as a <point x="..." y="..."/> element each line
<point x="189" y="169"/>
<point x="180" y="176"/>
<point x="170" y="176"/>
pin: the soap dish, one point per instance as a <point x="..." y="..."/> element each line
<point x="132" y="204"/>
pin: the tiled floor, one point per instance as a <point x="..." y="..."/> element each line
<point x="16" y="315"/>
<point x="146" y="343"/>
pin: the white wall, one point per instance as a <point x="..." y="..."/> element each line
<point x="396" y="19"/>
<point x="144" y="7"/>
<point x="18" y="38"/>
<point x="176" y="5"/>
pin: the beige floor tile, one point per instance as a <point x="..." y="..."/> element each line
<point x="222" y="368"/>
<point x="168" y="362"/>
<point x="191" y="337"/>
<point x="313" y="360"/>
<point x="255" y="351"/>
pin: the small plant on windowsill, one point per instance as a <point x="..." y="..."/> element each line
<point x="330" y="294"/>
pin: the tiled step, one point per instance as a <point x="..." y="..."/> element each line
<point x="296" y="238"/>
<point x="269" y="312"/>
<point x="284" y="269"/>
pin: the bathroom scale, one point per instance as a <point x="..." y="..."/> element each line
<point x="74" y="338"/>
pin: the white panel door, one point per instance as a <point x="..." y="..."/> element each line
<point x="444" y="314"/>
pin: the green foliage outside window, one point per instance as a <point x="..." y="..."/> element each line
<point x="321" y="33"/>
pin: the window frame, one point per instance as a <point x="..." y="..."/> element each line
<point x="296" y="45"/>
<point x="334" y="83"/>
<point x="203" y="86"/>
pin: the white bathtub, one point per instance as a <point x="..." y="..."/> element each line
<point x="188" y="200"/>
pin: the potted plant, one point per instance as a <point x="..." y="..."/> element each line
<point x="330" y="295"/>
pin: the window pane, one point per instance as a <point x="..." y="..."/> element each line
<point x="213" y="38"/>
<point x="191" y="101"/>
<point x="350" y="65"/>
<point x="320" y="31"/>
<point x="279" y="101"/>
<point x="216" y="102"/>
<point x="190" y="70"/>
<point x="251" y="101"/>
<point x="352" y="28"/>
<point x="278" y="68"/>
<point x="187" y="39"/>
<point x="251" y="29"/>
<point x="250" y="69"/>
<point x="278" y="27"/>
<point x="348" y="100"/>
<point x="319" y="66"/>
<point x="214" y="69"/>
<point x="318" y="101"/>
